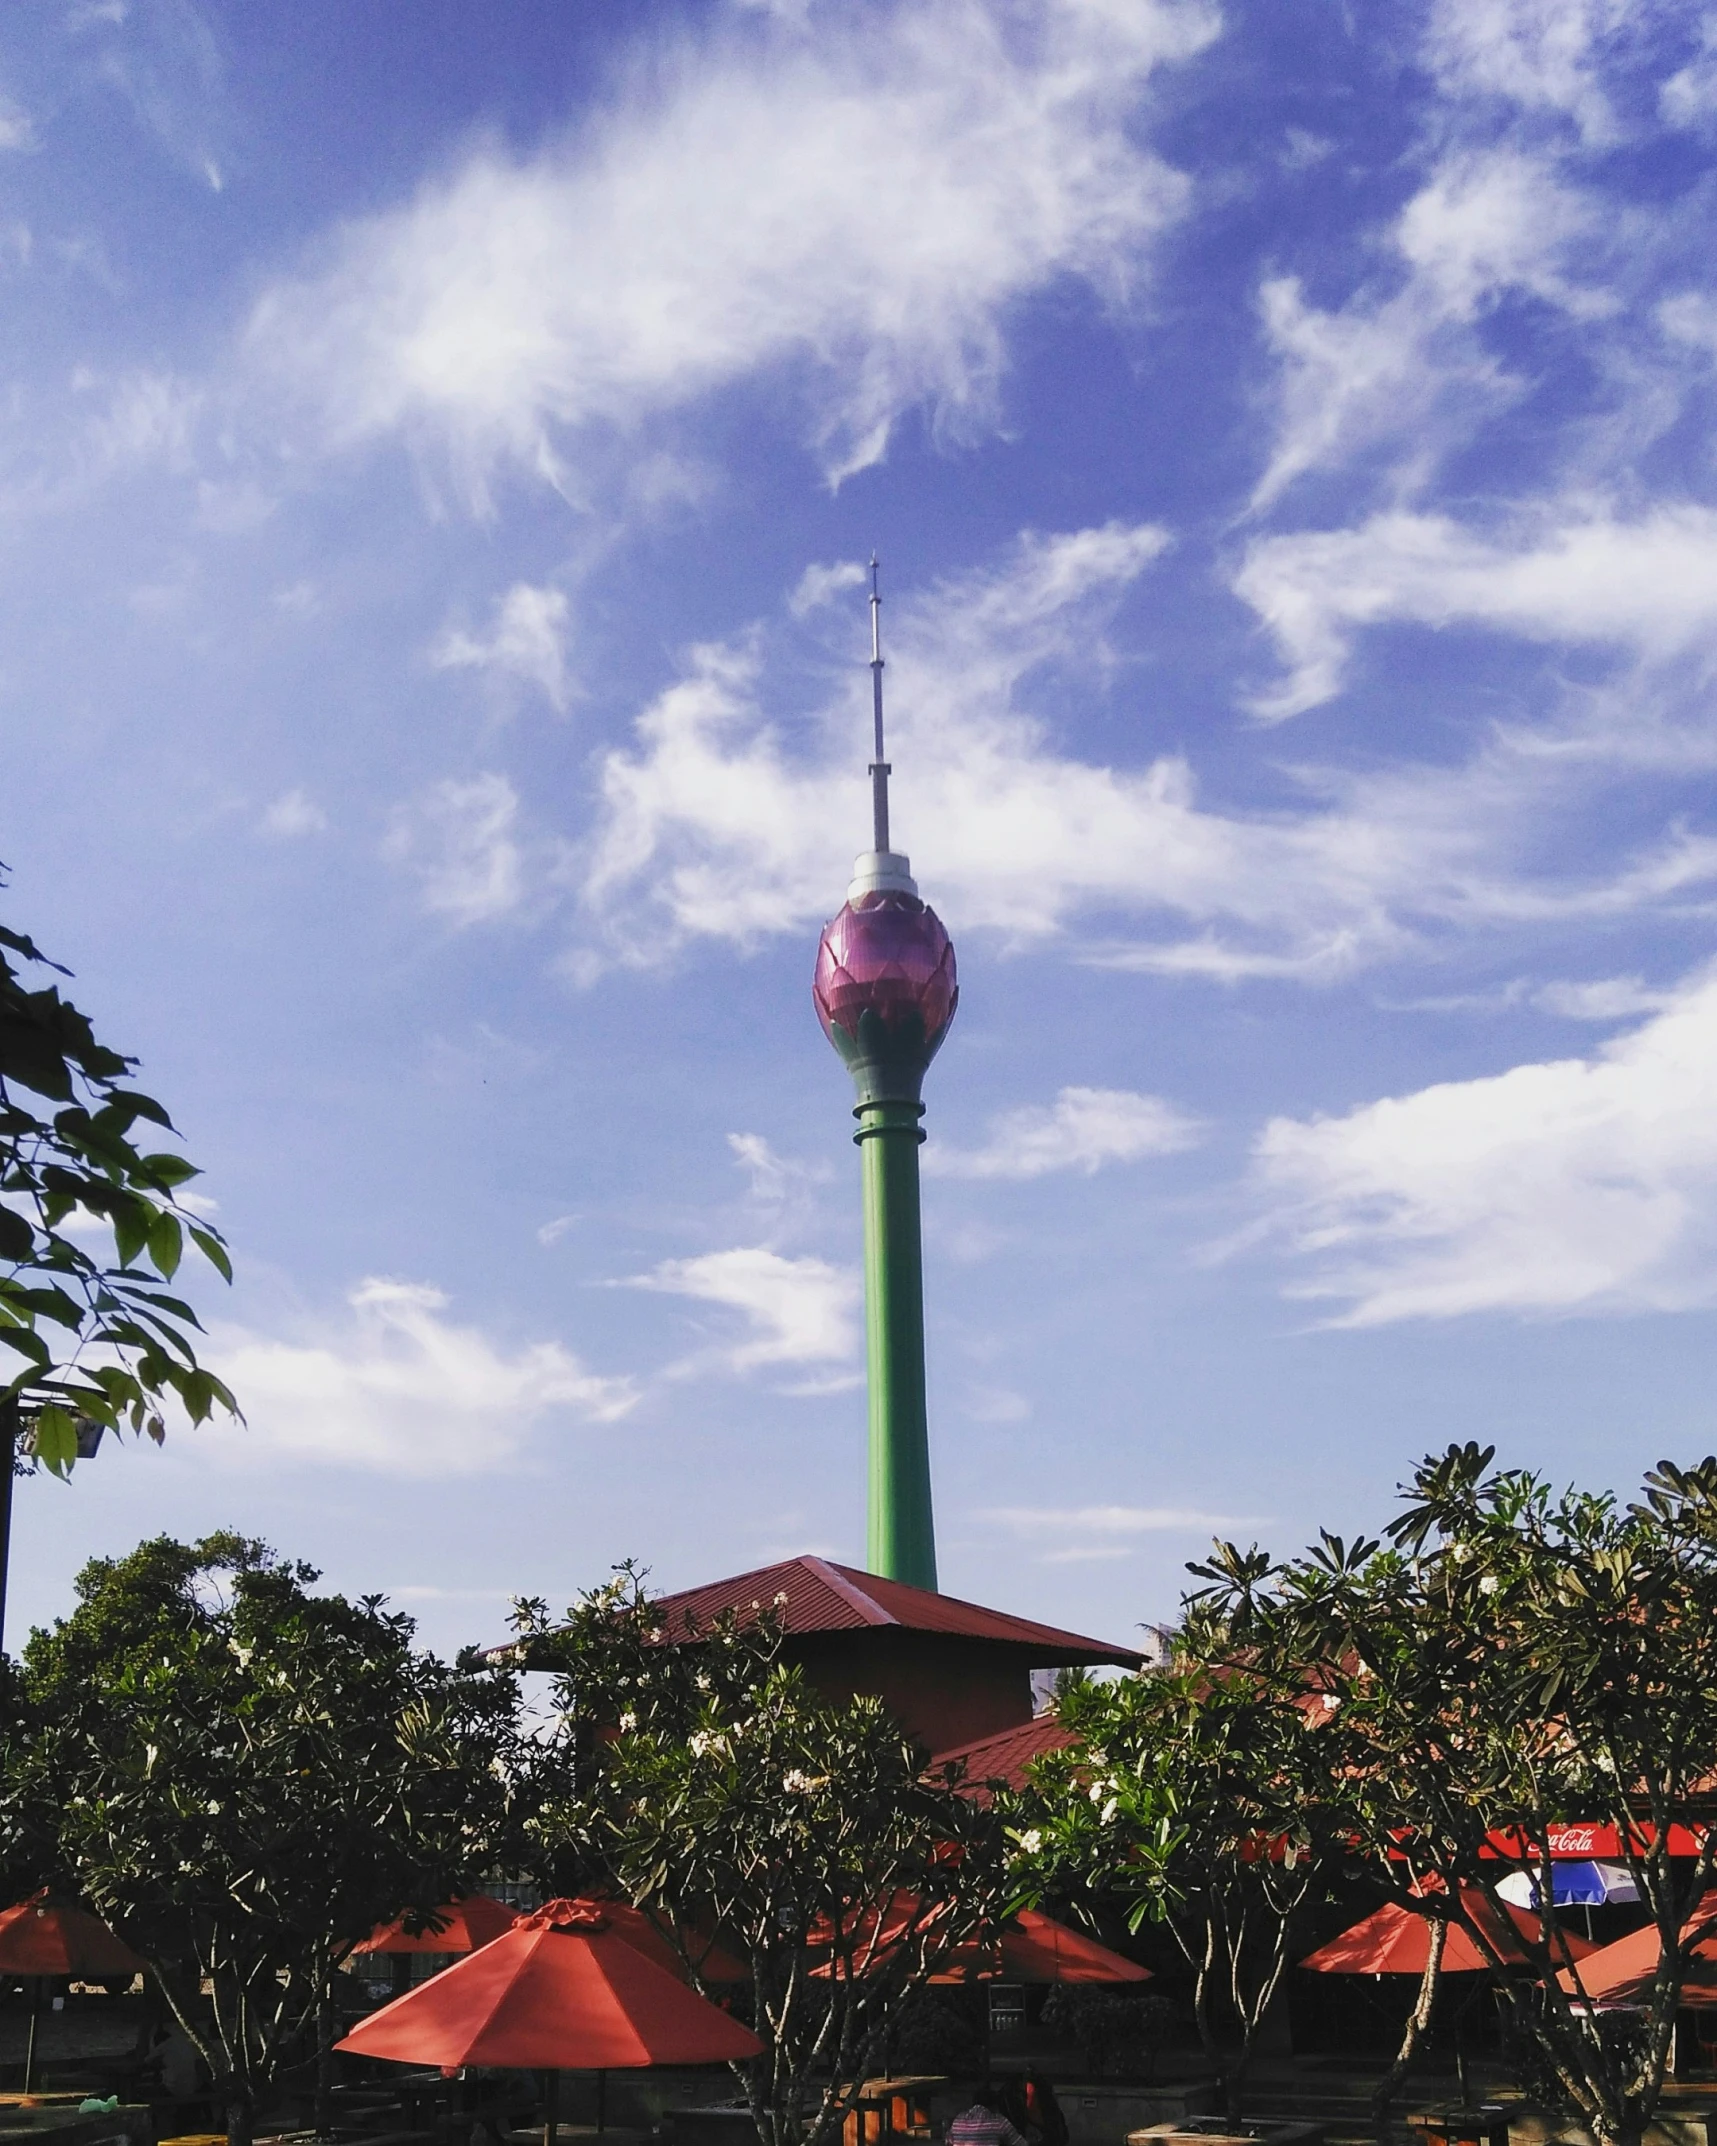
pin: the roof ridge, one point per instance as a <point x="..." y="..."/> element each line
<point x="849" y="1591"/>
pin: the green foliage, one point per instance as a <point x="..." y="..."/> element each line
<point x="84" y="1337"/>
<point x="245" y="1777"/>
<point x="1184" y="1798"/>
<point x="714" y="1788"/>
<point x="1512" y="1659"/>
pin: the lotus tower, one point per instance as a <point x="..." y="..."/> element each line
<point x="885" y="992"/>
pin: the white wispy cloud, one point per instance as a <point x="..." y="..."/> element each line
<point x="774" y="1180"/>
<point x="1400" y="372"/>
<point x="719" y="823"/>
<point x="527" y="641"/>
<point x="164" y="60"/>
<point x="797" y="1312"/>
<point x="1107" y="1519"/>
<point x="819" y="585"/>
<point x="17" y="128"/>
<point x="1083" y="1534"/>
<point x="1577" y="1185"/>
<point x="460" y="838"/>
<point x="1689" y="97"/>
<point x="294" y="812"/>
<point x="861" y="200"/>
<point x="1083" y="1129"/>
<point x="1540" y="56"/>
<point x="1601" y="998"/>
<point x="1578" y="575"/>
<point x="396" y="1386"/>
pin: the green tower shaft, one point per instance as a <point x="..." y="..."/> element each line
<point x="901" y="1530"/>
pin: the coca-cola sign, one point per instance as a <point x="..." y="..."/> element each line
<point x="1583" y="1840"/>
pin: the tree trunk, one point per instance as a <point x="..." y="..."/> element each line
<point x="241" y="2117"/>
<point x="1417" y="2022"/>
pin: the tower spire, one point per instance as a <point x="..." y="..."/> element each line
<point x="879" y="767"/>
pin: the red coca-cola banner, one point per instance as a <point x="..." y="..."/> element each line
<point x="1584" y="1841"/>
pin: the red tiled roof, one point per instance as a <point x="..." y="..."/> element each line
<point x="1006" y="1755"/>
<point x="825" y="1597"/>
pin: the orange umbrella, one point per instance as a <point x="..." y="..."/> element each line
<point x="1619" y="1977"/>
<point x="42" y="1937"/>
<point x="562" y="1991"/>
<point x="465" y="1925"/>
<point x="1396" y="1941"/>
<point x="1031" y="1947"/>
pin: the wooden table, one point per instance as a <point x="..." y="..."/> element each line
<point x="1486" y="2125"/>
<point x="892" y="2108"/>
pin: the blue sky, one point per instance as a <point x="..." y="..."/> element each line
<point x="437" y="449"/>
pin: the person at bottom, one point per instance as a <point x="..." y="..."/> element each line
<point x="983" y="2124"/>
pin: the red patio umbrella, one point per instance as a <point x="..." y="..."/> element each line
<point x="714" y="1962"/>
<point x="42" y="1936"/>
<point x="563" y="1990"/>
<point x="1619" y="1977"/>
<point x="1027" y="1947"/>
<point x="1032" y="1947"/>
<point x="466" y="1925"/>
<point x="1396" y="1941"/>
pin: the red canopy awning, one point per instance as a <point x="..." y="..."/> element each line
<point x="561" y="1991"/>
<point x="41" y="1936"/>
<point x="1619" y="1977"/>
<point x="1397" y="1941"/>
<point x="466" y="1925"/>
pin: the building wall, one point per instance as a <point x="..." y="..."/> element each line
<point x="945" y="1691"/>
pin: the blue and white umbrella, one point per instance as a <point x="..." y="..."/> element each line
<point x="1574" y="1885"/>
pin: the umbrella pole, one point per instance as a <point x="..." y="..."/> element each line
<point x="601" y="2101"/>
<point x="30" y="2044"/>
<point x="551" y="2106"/>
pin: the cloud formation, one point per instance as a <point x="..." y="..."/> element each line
<point x="859" y="200"/>
<point x="1084" y="1534"/>
<point x="1577" y="1185"/>
<point x="1644" y="584"/>
<point x="796" y="1311"/>
<point x="1083" y="1129"/>
<point x="293" y="813"/>
<point x="720" y="824"/>
<point x="399" y="1388"/>
<point x="527" y="641"/>
<point x="460" y="840"/>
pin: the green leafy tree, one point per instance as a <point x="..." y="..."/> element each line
<point x="1512" y="1661"/>
<point x="244" y="1778"/>
<point x="703" y="1779"/>
<point x="1183" y="1796"/>
<point x="87" y="1334"/>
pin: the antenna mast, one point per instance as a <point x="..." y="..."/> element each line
<point x="879" y="767"/>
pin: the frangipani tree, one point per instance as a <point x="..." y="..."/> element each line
<point x="244" y="1777"/>
<point x="1514" y="1659"/>
<point x="1184" y="1798"/>
<point x="704" y="1779"/>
